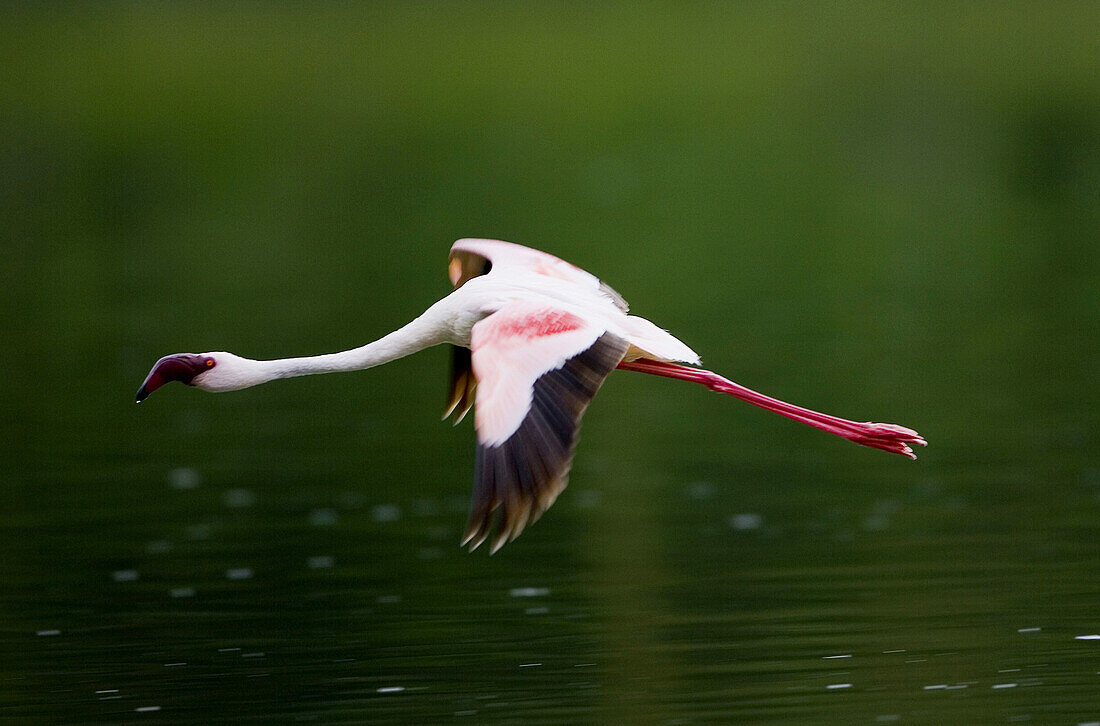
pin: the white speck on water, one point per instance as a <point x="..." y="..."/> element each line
<point x="239" y="573"/>
<point x="746" y="521"/>
<point x="198" y="531"/>
<point x="323" y="517"/>
<point x="900" y="650"/>
<point x="529" y="665"/>
<point x="958" y="687"/>
<point x="320" y="562"/>
<point x="48" y="632"/>
<point x="529" y="591"/>
<point x="158" y="547"/>
<point x="254" y="655"/>
<point x="876" y="522"/>
<point x="147" y="709"/>
<point x="1008" y="670"/>
<point x="584" y="665"/>
<point x="997" y="686"/>
<point x="936" y="687"/>
<point x="391" y="689"/>
<point x="830" y="657"/>
<point x="184" y="478"/>
<point x="1086" y="637"/>
<point x="107" y="690"/>
<point x="124" y="575"/>
<point x="173" y="665"/>
<point x="837" y="686"/>
<point x="1089" y="723"/>
<point x="238" y="498"/>
<point x="1028" y="630"/>
<point x="182" y="592"/>
<point x="700" y="490"/>
<point x="385" y="513"/>
<point x="227" y="650"/>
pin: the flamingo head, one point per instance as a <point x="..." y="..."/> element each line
<point x="189" y="368"/>
<point x="217" y="371"/>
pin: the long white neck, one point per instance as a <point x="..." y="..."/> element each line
<point x="431" y="328"/>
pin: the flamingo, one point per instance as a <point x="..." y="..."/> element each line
<point x="535" y="337"/>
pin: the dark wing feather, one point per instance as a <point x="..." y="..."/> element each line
<point x="463" y="384"/>
<point x="464" y="265"/>
<point x="461" y="267"/>
<point x="524" y="475"/>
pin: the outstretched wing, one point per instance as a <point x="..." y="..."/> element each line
<point x="461" y="267"/>
<point x="537" y="368"/>
<point x="473" y="257"/>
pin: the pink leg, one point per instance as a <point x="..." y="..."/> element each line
<point x="888" y="437"/>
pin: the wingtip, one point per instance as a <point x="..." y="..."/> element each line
<point x="474" y="538"/>
<point x="458" y="414"/>
<point x="450" y="408"/>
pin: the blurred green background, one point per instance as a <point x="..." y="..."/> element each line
<point x="884" y="211"/>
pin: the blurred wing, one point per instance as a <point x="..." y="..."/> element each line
<point x="461" y="267"/>
<point x="537" y="369"/>
<point x="464" y="264"/>
<point x="473" y="257"/>
<point x="463" y="384"/>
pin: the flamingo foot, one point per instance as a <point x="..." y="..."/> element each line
<point x="888" y="437"/>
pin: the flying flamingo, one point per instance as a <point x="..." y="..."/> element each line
<point x="535" y="336"/>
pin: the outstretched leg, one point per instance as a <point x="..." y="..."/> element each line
<point x="888" y="437"/>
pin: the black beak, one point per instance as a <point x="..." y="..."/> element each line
<point x="153" y="381"/>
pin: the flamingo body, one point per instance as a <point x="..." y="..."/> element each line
<point x="533" y="338"/>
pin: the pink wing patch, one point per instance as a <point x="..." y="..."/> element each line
<point x="511" y="349"/>
<point x="536" y="324"/>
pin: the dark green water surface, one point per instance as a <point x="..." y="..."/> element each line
<point x="883" y="212"/>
